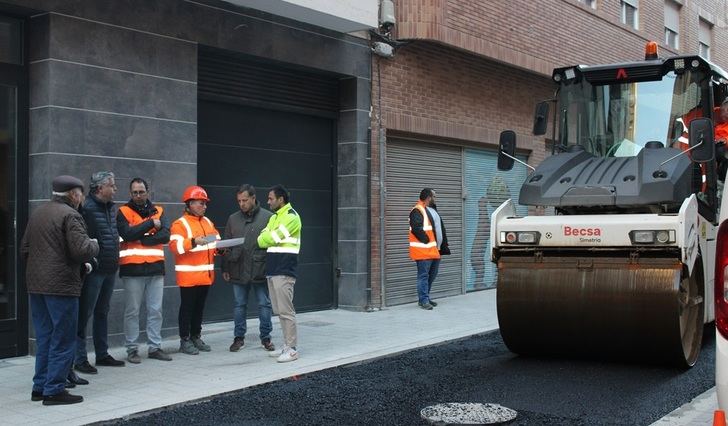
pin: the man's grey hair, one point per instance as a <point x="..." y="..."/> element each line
<point x="99" y="179"/>
<point x="66" y="194"/>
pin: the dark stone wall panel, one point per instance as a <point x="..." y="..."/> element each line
<point x="247" y="31"/>
<point x="88" y="132"/>
<point x="352" y="191"/>
<point x="39" y="130"/>
<point x="353" y="224"/>
<point x="353" y="158"/>
<point x="94" y="43"/>
<point x="168" y="179"/>
<point x="353" y="256"/>
<point x="98" y="89"/>
<point x="352" y="291"/>
<point x="354" y="126"/>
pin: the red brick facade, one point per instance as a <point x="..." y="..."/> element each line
<point x="470" y="69"/>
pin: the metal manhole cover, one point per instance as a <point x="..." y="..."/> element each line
<point x="468" y="413"/>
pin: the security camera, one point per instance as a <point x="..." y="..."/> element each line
<point x="386" y="15"/>
<point x="382" y="49"/>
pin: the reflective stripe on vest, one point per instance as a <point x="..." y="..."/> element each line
<point x="419" y="250"/>
<point x="133" y="252"/>
<point x="193" y="265"/>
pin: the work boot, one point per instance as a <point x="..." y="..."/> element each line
<point x="134" y="357"/>
<point x="426" y="306"/>
<point x="187" y="347"/>
<point x="200" y="344"/>
<point x="238" y="343"/>
<point x="86" y="368"/>
<point x="159" y="354"/>
<point x="268" y="345"/>
<point x="62" y="398"/>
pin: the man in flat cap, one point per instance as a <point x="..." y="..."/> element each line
<point x="55" y="250"/>
<point x="99" y="213"/>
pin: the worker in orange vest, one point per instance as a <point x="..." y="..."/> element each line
<point x="192" y="241"/>
<point x="144" y="230"/>
<point x="427" y="241"/>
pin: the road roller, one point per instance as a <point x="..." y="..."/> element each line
<point x="623" y="264"/>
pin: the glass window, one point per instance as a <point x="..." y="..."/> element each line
<point x="11" y="46"/>
<point x="705" y="35"/>
<point x="672" y="23"/>
<point x="629" y="13"/>
<point x="590" y="3"/>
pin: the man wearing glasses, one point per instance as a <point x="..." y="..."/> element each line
<point x="144" y="229"/>
<point x="99" y="213"/>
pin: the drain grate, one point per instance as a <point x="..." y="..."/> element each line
<point x="458" y="413"/>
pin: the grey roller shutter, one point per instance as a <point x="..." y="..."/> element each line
<point x="411" y="166"/>
<point x="486" y="188"/>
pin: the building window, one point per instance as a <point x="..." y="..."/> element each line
<point x="629" y="13"/>
<point x="672" y="24"/>
<point x="705" y="35"/>
<point x="590" y="3"/>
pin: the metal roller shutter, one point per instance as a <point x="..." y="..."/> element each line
<point x="411" y="166"/>
<point x="486" y="188"/>
<point x="263" y="124"/>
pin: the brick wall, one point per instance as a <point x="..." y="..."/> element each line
<point x="541" y="35"/>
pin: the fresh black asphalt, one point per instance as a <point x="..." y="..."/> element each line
<point x="393" y="390"/>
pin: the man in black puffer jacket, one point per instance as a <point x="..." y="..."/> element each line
<point x="99" y="213"/>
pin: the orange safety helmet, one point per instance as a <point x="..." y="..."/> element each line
<point x="195" y="192"/>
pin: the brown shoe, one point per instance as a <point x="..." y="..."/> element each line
<point x="268" y="345"/>
<point x="238" y="344"/>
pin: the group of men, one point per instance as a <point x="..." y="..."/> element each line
<point x="74" y="247"/>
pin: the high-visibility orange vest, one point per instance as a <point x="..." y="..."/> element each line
<point x="417" y="249"/>
<point x="193" y="265"/>
<point x="133" y="252"/>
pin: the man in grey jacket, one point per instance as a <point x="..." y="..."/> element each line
<point x="55" y="251"/>
<point x="244" y="266"/>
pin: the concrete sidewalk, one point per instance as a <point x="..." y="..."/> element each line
<point x="326" y="339"/>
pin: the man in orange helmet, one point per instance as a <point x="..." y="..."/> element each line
<point x="192" y="241"/>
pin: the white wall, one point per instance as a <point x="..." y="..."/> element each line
<point x="338" y="15"/>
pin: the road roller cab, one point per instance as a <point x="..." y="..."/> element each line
<point x="624" y="267"/>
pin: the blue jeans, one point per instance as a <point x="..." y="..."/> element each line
<point x="151" y="291"/>
<point x="54" y="321"/>
<point x="265" y="311"/>
<point x="426" y="274"/>
<point x="95" y="299"/>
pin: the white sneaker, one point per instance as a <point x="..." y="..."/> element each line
<point x="288" y="355"/>
<point x="276" y="353"/>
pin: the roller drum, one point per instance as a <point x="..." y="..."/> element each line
<point x="605" y="307"/>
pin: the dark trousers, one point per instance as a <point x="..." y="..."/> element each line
<point x="191" y="306"/>
<point x="95" y="302"/>
<point x="54" y="321"/>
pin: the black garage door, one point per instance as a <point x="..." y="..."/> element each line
<point x="264" y="143"/>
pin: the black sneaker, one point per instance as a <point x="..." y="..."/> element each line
<point x="426" y="306"/>
<point x="63" y="398"/>
<point x="432" y="302"/>
<point x="86" y="368"/>
<point x="73" y="378"/>
<point x="237" y="344"/>
<point x="36" y="396"/>
<point x="69" y="385"/>
<point x="109" y="361"/>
